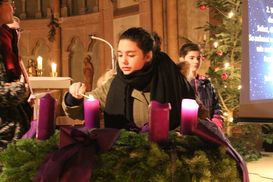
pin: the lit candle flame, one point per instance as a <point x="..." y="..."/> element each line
<point x="39" y="62"/>
<point x="53" y="67"/>
<point x="91" y="97"/>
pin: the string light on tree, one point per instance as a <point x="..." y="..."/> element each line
<point x="230" y="118"/>
<point x="226" y="65"/>
<point x="223" y="49"/>
<point x="215" y="44"/>
<point x="230" y="14"/>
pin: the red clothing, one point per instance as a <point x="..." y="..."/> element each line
<point x="8" y="39"/>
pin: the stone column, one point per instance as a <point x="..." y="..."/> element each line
<point x="64" y="10"/>
<point x="145" y="14"/>
<point x="82" y="7"/>
<point x="56" y="44"/>
<point x="56" y="8"/>
<point x="38" y="13"/>
<point x="172" y="32"/>
<point x="69" y="6"/>
<point x="157" y="19"/>
<point x="23" y="14"/>
<point x="106" y="32"/>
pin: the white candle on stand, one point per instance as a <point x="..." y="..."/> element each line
<point x="39" y="63"/>
<point x="54" y="69"/>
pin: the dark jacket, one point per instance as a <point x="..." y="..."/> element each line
<point x="206" y="93"/>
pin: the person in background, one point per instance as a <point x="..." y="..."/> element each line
<point x="16" y="26"/>
<point x="190" y="62"/>
<point x="142" y="75"/>
<point x="18" y="30"/>
<point x="14" y="91"/>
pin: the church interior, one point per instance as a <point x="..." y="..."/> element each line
<point x="68" y="41"/>
<point x="71" y="22"/>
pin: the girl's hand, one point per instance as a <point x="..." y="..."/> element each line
<point x="77" y="90"/>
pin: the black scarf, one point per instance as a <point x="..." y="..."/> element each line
<point x="165" y="83"/>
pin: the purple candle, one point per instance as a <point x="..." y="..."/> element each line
<point x="159" y="121"/>
<point x="46" y="117"/>
<point x="31" y="133"/>
<point x="91" y="113"/>
<point x="189" y="113"/>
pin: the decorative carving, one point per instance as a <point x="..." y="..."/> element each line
<point x="88" y="72"/>
<point x="76" y="57"/>
<point x="93" y="51"/>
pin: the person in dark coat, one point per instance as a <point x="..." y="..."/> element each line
<point x="15" y="112"/>
<point x="190" y="62"/>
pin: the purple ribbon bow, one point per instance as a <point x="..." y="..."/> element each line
<point x="75" y="158"/>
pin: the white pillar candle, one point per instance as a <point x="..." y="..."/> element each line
<point x="39" y="63"/>
<point x="54" y="69"/>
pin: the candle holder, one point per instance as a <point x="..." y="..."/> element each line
<point x="31" y="68"/>
<point x="54" y="74"/>
<point x="39" y="72"/>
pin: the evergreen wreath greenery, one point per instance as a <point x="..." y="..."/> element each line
<point x="21" y="160"/>
<point x="186" y="158"/>
<point x="132" y="158"/>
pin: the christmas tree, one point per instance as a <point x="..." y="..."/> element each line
<point x="223" y="50"/>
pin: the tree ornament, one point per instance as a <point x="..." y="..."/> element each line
<point x="219" y="53"/>
<point x="224" y="76"/>
<point x="216" y="69"/>
<point x="202" y="7"/>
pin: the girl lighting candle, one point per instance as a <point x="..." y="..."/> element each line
<point x="91" y="112"/>
<point x="189" y="114"/>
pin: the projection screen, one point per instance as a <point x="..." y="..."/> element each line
<point x="256" y="98"/>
